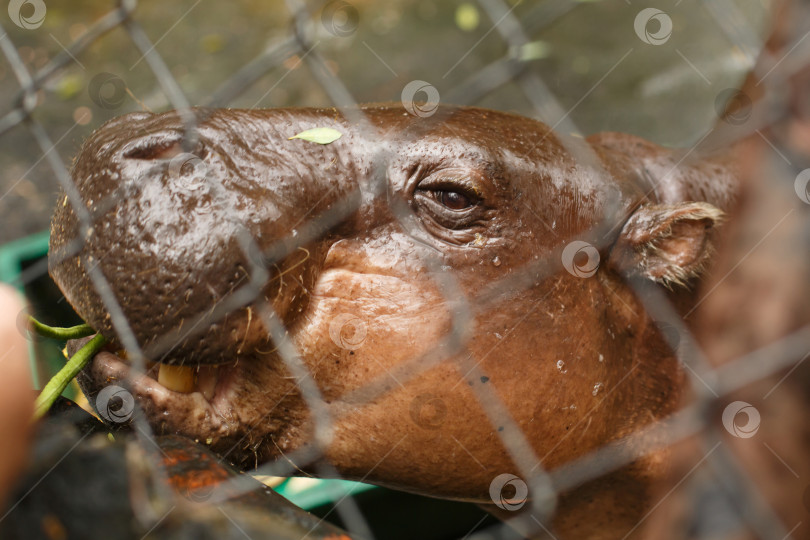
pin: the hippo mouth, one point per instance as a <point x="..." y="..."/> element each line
<point x="167" y="388"/>
<point x="210" y="380"/>
<point x="212" y="403"/>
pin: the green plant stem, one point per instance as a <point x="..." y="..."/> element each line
<point x="59" y="382"/>
<point x="74" y="332"/>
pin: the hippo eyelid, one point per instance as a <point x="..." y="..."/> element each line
<point x="440" y="218"/>
<point x="464" y="181"/>
<point x="439" y="195"/>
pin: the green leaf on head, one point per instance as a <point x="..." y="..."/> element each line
<point x="323" y="135"/>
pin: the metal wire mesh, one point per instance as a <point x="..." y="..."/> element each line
<point x="712" y="383"/>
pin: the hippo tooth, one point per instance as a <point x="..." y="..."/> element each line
<point x="207" y="380"/>
<point x="177" y="378"/>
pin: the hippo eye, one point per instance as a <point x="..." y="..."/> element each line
<point x="453" y="200"/>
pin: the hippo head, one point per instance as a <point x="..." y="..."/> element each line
<point x="449" y="295"/>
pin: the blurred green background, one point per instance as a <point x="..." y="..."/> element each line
<point x="586" y="52"/>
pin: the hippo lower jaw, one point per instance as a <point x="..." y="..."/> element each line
<point x="218" y="405"/>
<point x="206" y="397"/>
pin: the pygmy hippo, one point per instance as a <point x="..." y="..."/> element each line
<point x="473" y="267"/>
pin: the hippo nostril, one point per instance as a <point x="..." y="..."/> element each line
<point x="165" y="149"/>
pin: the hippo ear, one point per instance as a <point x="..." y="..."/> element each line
<point x="669" y="244"/>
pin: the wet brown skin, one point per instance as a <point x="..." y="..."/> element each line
<point x="576" y="361"/>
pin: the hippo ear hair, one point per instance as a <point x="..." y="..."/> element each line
<point x="669" y="244"/>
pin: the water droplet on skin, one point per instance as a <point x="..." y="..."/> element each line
<point x="597" y="387"/>
<point x="496" y="261"/>
<point x="561" y="366"/>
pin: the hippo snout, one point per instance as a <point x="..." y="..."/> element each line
<point x="179" y="223"/>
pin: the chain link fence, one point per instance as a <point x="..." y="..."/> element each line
<point x="721" y="487"/>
